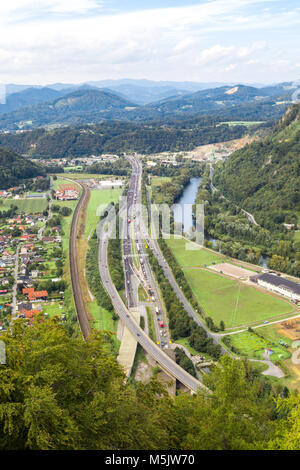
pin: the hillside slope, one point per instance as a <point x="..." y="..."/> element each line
<point x="86" y="106"/>
<point x="264" y="177"/>
<point x="28" y="97"/>
<point x="81" y="106"/>
<point x="14" y="169"/>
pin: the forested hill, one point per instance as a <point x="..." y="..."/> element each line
<point x="118" y="137"/>
<point x="80" y="106"/>
<point x="14" y="169"/>
<point x="89" y="105"/>
<point x="264" y="177"/>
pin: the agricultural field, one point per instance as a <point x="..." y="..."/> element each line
<point x="233" y="302"/>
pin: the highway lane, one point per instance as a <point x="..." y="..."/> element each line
<point x="149" y="346"/>
<point x="162" y="332"/>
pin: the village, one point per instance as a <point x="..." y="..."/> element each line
<point x="31" y="255"/>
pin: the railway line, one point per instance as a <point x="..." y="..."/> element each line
<point x="75" y="281"/>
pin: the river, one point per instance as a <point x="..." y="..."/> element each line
<point x="183" y="211"/>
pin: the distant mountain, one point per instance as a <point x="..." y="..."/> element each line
<point x="144" y="95"/>
<point x="264" y="177"/>
<point x="14" y="88"/>
<point x="81" y="106"/>
<point x="28" y="97"/>
<point x="88" y="105"/>
<point x="217" y="99"/>
<point x="143" y="83"/>
<point x="14" y="169"/>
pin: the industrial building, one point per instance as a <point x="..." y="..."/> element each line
<point x="278" y="284"/>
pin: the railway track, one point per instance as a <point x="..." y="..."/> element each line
<point x="77" y="294"/>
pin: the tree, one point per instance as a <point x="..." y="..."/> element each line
<point x="229" y="415"/>
<point x="278" y="263"/>
<point x="288" y="427"/>
<point x="60" y="392"/>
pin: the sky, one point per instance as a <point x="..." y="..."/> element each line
<point x="74" y="41"/>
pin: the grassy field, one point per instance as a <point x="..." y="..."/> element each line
<point x="79" y="176"/>
<point x="220" y="297"/>
<point x="241" y="123"/>
<point x="156" y="187"/>
<point x="253" y="346"/>
<point x="30" y="206"/>
<point x="234" y="303"/>
<point x="278" y="332"/>
<point x="151" y="324"/>
<point x="98" y="197"/>
<point x="186" y="254"/>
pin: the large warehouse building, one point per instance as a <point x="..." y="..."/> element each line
<point x="279" y="284"/>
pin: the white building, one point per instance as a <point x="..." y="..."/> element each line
<point x="279" y="284"/>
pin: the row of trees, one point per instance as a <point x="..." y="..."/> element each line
<point x="93" y="276"/>
<point x="115" y="259"/>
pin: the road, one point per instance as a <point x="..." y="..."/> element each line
<point x="176" y="288"/>
<point x="149" y="282"/>
<point x="148" y="345"/>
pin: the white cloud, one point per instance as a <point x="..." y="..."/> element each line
<point x="61" y="40"/>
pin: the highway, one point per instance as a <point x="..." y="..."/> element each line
<point x="162" y="332"/>
<point x="148" y="345"/>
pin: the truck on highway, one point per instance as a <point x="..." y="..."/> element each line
<point x="157" y="310"/>
<point x="153" y="298"/>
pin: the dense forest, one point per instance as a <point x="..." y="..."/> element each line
<point x="59" y="392"/>
<point x="238" y="238"/>
<point x="14" y="169"/>
<point x="119" y="137"/>
<point x="264" y="177"/>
